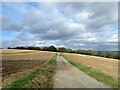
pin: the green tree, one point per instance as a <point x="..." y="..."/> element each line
<point x="45" y="48"/>
<point x="69" y="50"/>
<point x="62" y="49"/>
<point x="9" y="47"/>
<point x="52" y="48"/>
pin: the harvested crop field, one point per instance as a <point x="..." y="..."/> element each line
<point x="21" y="59"/>
<point x="106" y="65"/>
<point x="13" y="51"/>
<point x="19" y="63"/>
<point x="26" y="55"/>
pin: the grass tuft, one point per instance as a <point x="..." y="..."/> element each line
<point x="21" y="82"/>
<point x="53" y="60"/>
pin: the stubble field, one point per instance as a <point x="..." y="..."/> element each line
<point x="106" y="65"/>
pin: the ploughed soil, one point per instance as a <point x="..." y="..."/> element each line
<point x="106" y="65"/>
<point x="19" y="63"/>
<point x="12" y="66"/>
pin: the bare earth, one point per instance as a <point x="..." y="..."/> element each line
<point x="18" y="60"/>
<point x="67" y="76"/>
<point x="106" y="65"/>
<point x="19" y="63"/>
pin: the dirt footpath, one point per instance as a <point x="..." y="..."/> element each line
<point x="106" y="65"/>
<point x="67" y="76"/>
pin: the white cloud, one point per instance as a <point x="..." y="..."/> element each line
<point x="39" y="42"/>
<point x="74" y="25"/>
<point x="83" y="17"/>
<point x="113" y="38"/>
<point x="92" y="39"/>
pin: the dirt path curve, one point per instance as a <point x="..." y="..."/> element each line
<point x="67" y="76"/>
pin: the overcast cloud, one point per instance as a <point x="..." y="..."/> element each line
<point x="76" y="25"/>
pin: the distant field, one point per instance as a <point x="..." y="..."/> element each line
<point x="19" y="63"/>
<point x="12" y="51"/>
<point x="106" y="65"/>
<point x="25" y="55"/>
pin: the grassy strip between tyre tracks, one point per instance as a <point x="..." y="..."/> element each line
<point x="20" y="83"/>
<point x="98" y="75"/>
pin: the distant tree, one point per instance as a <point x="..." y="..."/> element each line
<point x="62" y="49"/>
<point x="95" y="53"/>
<point x="107" y="54"/>
<point x="9" y="47"/>
<point x="38" y="48"/>
<point x="69" y="50"/>
<point x="52" y="48"/>
<point x="21" y="47"/>
<point x="31" y="48"/>
<point x="45" y="48"/>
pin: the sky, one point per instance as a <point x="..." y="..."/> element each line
<point x="75" y="25"/>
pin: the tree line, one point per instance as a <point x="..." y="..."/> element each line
<point x="107" y="54"/>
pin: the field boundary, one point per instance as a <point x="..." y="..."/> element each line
<point x="98" y="75"/>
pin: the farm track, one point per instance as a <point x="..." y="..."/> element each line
<point x="67" y="76"/>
